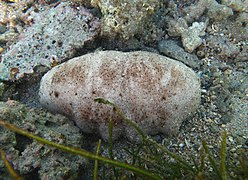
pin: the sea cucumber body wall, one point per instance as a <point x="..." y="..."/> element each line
<point x="155" y="91"/>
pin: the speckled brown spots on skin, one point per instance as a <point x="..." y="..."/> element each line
<point x="108" y="74"/>
<point x="56" y="94"/>
<point x="77" y="74"/>
<point x="176" y="81"/>
<point x="155" y="91"/>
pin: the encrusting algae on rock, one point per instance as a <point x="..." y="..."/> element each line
<point x="158" y="93"/>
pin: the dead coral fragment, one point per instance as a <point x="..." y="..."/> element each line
<point x="215" y="11"/>
<point x="191" y="36"/>
<point x="55" y="36"/>
<point x="125" y="18"/>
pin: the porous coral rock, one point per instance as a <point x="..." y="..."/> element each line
<point x="125" y="18"/>
<point x="30" y="157"/>
<point x="55" y="36"/>
<point x="191" y="25"/>
<point x="222" y="46"/>
<point x="190" y="35"/>
<point x="215" y="11"/>
<point x="176" y="27"/>
<point x="218" y="11"/>
<point x="172" y="50"/>
<point x="241" y="25"/>
<point x="236" y="5"/>
<point x="153" y="90"/>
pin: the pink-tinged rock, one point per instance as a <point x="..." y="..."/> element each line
<point x="153" y="90"/>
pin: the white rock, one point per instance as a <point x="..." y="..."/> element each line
<point x="153" y="90"/>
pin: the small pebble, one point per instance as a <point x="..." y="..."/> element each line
<point x="181" y="145"/>
<point x="230" y="138"/>
<point x="2" y="29"/>
<point x="1" y="50"/>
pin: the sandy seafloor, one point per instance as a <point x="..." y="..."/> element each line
<point x="220" y="61"/>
